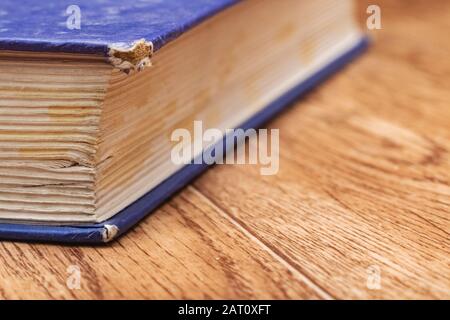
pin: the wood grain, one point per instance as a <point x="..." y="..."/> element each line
<point x="187" y="250"/>
<point x="365" y="172"/>
<point x="364" y="183"/>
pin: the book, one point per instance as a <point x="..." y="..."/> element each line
<point x="90" y="95"/>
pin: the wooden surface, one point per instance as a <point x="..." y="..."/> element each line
<point x="364" y="184"/>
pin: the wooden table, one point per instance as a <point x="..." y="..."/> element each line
<point x="359" y="209"/>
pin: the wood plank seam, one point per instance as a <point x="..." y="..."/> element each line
<point x="276" y="254"/>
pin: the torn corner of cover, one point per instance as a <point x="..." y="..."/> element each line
<point x="134" y="57"/>
<point x="110" y="231"/>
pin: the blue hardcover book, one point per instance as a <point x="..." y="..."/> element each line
<point x="107" y="108"/>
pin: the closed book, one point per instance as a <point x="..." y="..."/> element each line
<point x="90" y="95"/>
